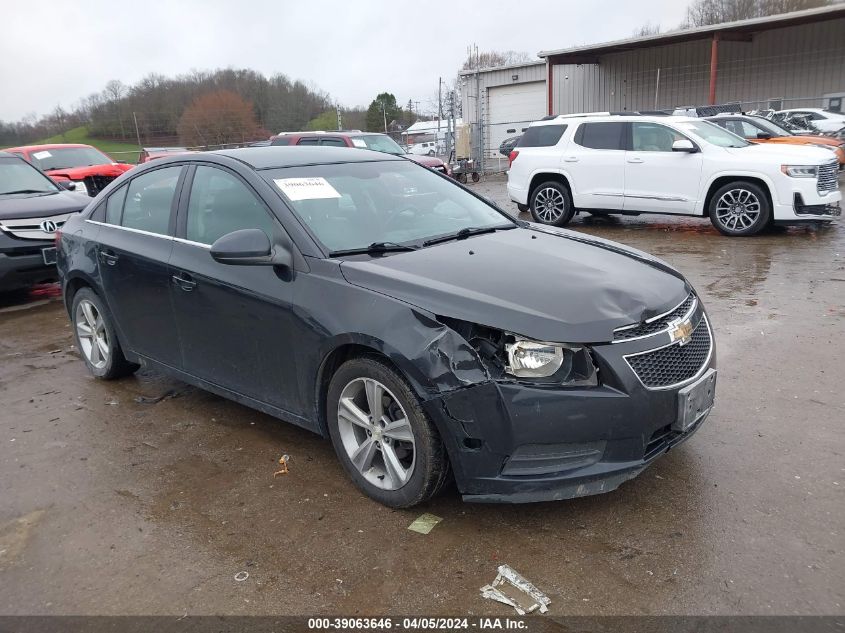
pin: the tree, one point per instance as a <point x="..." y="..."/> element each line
<point x="383" y="109"/>
<point x="707" y="12"/>
<point x="647" y="29"/>
<point x="325" y="121"/>
<point x="217" y="118"/>
<point x="490" y="59"/>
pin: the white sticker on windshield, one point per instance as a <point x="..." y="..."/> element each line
<point x="41" y="155"/>
<point x="306" y="188"/>
<point x="359" y="142"/>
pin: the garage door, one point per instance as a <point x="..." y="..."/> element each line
<point x="511" y="108"/>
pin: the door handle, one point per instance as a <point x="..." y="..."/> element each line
<point x="184" y="281"/>
<point x="107" y="257"/>
<point x="635" y="160"/>
<point x="570" y="159"/>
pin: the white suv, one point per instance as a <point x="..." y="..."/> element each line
<point x="632" y="164"/>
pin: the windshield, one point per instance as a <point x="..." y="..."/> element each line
<point x="18" y="176"/>
<point x="773" y="128"/>
<point x="378" y="143"/>
<point x="713" y="134"/>
<point x="66" y="157"/>
<point x="354" y="205"/>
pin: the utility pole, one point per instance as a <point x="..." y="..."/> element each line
<point x="339" y="119"/>
<point x="384" y="114"/>
<point x="439" y="111"/>
<point x="137" y="133"/>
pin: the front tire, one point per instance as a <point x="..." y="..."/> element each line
<point x="740" y="209"/>
<point x="382" y="436"/>
<point x="551" y="203"/>
<point x="96" y="340"/>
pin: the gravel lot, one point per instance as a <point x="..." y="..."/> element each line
<point x="116" y="502"/>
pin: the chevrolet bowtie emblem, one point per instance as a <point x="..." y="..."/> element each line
<point x="681" y="331"/>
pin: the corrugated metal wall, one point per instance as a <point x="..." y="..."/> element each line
<point x="493" y="78"/>
<point x="798" y="63"/>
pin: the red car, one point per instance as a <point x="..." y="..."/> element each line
<point x="88" y="168"/>
<point x="363" y="140"/>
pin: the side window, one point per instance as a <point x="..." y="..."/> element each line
<point x="114" y="206"/>
<point x="219" y="204"/>
<point x="334" y="142"/>
<point x="308" y="141"/>
<point x="149" y="199"/>
<point x="652" y="137"/>
<point x="541" y="136"/>
<point x="602" y="135"/>
<point x="749" y="130"/>
<point x="280" y="141"/>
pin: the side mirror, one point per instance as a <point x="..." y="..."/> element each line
<point x="250" y="247"/>
<point x="684" y="145"/>
<point x="67" y="185"/>
<point x="763" y="135"/>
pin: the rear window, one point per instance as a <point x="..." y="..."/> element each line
<point x="601" y="135"/>
<point x="541" y="136"/>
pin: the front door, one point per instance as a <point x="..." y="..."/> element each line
<point x="656" y="178"/>
<point x="235" y="322"/>
<point x="134" y="247"/>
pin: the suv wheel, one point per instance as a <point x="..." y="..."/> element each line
<point x="381" y="435"/>
<point x="740" y="209"/>
<point x="551" y="203"/>
<point x="96" y="339"/>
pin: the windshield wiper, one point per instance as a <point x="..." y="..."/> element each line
<point x="375" y="248"/>
<point x="8" y="193"/>
<point x="467" y="232"/>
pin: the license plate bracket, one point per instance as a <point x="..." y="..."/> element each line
<point x="49" y="255"/>
<point x="695" y="401"/>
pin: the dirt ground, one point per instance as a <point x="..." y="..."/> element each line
<point x="115" y="503"/>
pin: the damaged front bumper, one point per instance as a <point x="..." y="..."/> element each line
<point x="514" y="442"/>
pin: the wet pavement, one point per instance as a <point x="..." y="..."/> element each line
<point x="146" y="496"/>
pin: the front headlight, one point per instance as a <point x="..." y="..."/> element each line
<point x="561" y="363"/>
<point x="800" y="171"/>
<point x="80" y="186"/>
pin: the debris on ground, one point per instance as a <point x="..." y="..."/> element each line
<point x="241" y="576"/>
<point x="170" y="393"/>
<point x="283" y="461"/>
<point x="424" y="523"/>
<point x="512" y="589"/>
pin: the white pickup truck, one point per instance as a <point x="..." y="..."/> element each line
<point x="633" y="164"/>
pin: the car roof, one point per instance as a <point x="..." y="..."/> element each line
<point x="610" y="116"/>
<point x="287" y="156"/>
<point x="45" y="146"/>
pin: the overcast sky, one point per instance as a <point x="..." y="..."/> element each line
<point x="56" y="53"/>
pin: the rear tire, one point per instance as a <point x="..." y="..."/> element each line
<point x="740" y="209"/>
<point x="551" y="203"/>
<point x="399" y="464"/>
<point x="96" y="340"/>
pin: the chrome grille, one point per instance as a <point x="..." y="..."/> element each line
<point x="674" y="364"/>
<point x="827" y="178"/>
<point x="657" y="324"/>
<point x="30" y="228"/>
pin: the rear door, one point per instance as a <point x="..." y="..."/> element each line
<point x="133" y="252"/>
<point x="595" y="163"/>
<point x="235" y="322"/>
<point x="657" y="179"/>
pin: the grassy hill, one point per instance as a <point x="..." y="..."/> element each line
<point x="127" y="152"/>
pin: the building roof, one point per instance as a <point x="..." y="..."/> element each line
<point x="472" y="71"/>
<point x="738" y="28"/>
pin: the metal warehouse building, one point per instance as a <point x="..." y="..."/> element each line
<point x="790" y="60"/>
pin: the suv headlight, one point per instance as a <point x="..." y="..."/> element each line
<point x="565" y="364"/>
<point x="80" y="186"/>
<point x="800" y="171"/>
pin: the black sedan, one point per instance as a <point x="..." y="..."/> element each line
<point x="373" y="301"/>
<point x="32" y="207"/>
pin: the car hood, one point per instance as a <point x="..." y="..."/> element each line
<point x="33" y="206"/>
<point x="428" y="161"/>
<point x="783" y="154"/>
<point x="550" y="286"/>
<point x="78" y="173"/>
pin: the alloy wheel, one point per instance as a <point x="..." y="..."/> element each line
<point x="549" y="204"/>
<point x="93" y="337"/>
<point x="738" y="209"/>
<point x="376" y="433"/>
